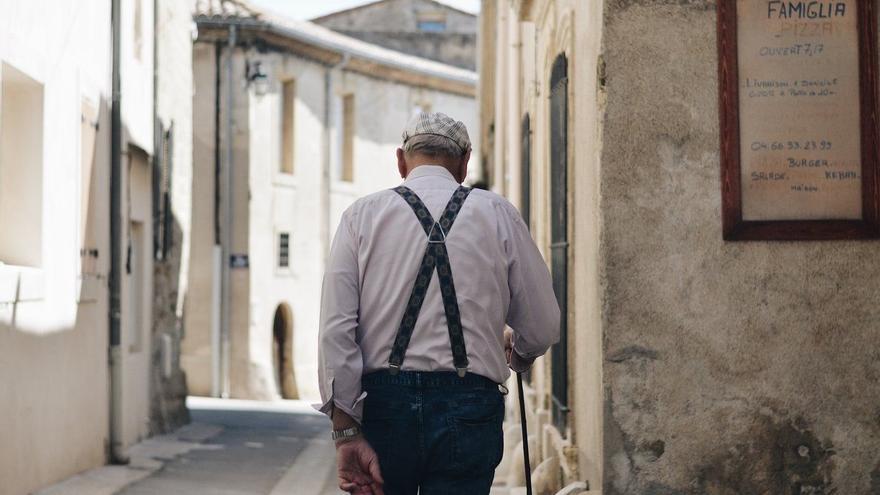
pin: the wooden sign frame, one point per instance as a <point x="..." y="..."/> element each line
<point x="734" y="227"/>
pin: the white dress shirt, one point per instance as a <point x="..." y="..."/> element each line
<point x="499" y="274"/>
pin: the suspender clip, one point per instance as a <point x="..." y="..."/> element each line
<point x="437" y="228"/>
<point x="461" y="372"/>
<point x="394" y="369"/>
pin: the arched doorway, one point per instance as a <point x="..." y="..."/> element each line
<point x="282" y="351"/>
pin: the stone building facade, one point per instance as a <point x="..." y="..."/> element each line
<point x="64" y="409"/>
<point x="423" y="28"/>
<point x="304" y="121"/>
<point x="691" y="365"/>
<point x="172" y="187"/>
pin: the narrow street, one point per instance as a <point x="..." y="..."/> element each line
<point x="275" y="448"/>
<point x="231" y="447"/>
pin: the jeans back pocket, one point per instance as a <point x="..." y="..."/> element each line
<point x="477" y="438"/>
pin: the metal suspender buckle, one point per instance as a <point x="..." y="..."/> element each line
<point x="461" y="372"/>
<point x="431" y="239"/>
<point x="394" y="369"/>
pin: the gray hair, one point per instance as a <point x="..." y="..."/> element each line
<point x="433" y="145"/>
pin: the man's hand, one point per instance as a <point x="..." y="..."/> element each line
<point x="358" y="468"/>
<point x="514" y="360"/>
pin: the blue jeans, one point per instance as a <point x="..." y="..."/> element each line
<point x="434" y="433"/>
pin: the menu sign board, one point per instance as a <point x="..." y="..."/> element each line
<point x="798" y="119"/>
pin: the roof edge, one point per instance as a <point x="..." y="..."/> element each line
<point x="344" y="45"/>
<point x="377" y="2"/>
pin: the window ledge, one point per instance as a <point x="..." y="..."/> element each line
<point x="21" y="284"/>
<point x="281" y="179"/>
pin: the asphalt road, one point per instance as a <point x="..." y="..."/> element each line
<point x="270" y="449"/>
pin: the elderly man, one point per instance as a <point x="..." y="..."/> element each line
<point x="420" y="283"/>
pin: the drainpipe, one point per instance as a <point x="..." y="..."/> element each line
<point x="216" y="306"/>
<point x="116" y="455"/>
<point x="326" y="162"/>
<point x="228" y="214"/>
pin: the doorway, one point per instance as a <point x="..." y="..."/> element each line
<point x="282" y="352"/>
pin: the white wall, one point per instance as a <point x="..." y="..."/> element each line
<point x="196" y="350"/>
<point x="136" y="53"/>
<point x="53" y="350"/>
<point x="286" y="203"/>
<point x="53" y="313"/>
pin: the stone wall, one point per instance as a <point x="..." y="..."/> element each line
<point x="458" y="49"/>
<point x="397" y="16"/>
<point x="174" y="107"/>
<point x="729" y="368"/>
<point x="394" y="24"/>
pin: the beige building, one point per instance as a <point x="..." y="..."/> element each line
<point x="690" y="365"/>
<point x="297" y="122"/>
<point x="423" y="28"/>
<point x="64" y="409"/>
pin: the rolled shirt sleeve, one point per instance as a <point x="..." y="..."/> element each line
<point x="340" y="361"/>
<point x="534" y="312"/>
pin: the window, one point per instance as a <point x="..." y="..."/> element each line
<point x="21" y="168"/>
<point x="432" y="26"/>
<point x="163" y="217"/>
<point x="284" y="250"/>
<point x="288" y="101"/>
<point x="431" y="22"/>
<point x="348" y="128"/>
<point x="559" y="233"/>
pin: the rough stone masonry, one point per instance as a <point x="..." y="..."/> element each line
<point x="731" y="368"/>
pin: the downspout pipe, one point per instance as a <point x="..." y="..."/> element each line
<point x="217" y="253"/>
<point x="229" y="212"/>
<point x="116" y="455"/>
<point x="328" y="154"/>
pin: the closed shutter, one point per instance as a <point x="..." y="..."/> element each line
<point x="526" y="171"/>
<point x="559" y="233"/>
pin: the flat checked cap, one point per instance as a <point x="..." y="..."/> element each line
<point x="438" y="124"/>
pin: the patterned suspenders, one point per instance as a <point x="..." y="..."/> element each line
<point x="435" y="256"/>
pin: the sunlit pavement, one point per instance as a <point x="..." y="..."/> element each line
<point x="232" y="447"/>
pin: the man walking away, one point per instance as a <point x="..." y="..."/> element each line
<point x="420" y="284"/>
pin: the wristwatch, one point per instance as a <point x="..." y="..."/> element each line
<point x="346" y="433"/>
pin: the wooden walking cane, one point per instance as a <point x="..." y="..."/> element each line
<point x="525" y="433"/>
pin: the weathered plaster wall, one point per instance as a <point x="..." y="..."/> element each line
<point x="730" y="368"/>
<point x="286" y="203"/>
<point x="398" y="16"/>
<point x="458" y="49"/>
<point x="524" y="40"/>
<point x="394" y="24"/>
<point x="196" y="348"/>
<point x="174" y="107"/>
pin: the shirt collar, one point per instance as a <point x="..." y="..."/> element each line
<point x="429" y="171"/>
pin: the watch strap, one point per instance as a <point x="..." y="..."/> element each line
<point x="346" y="433"/>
